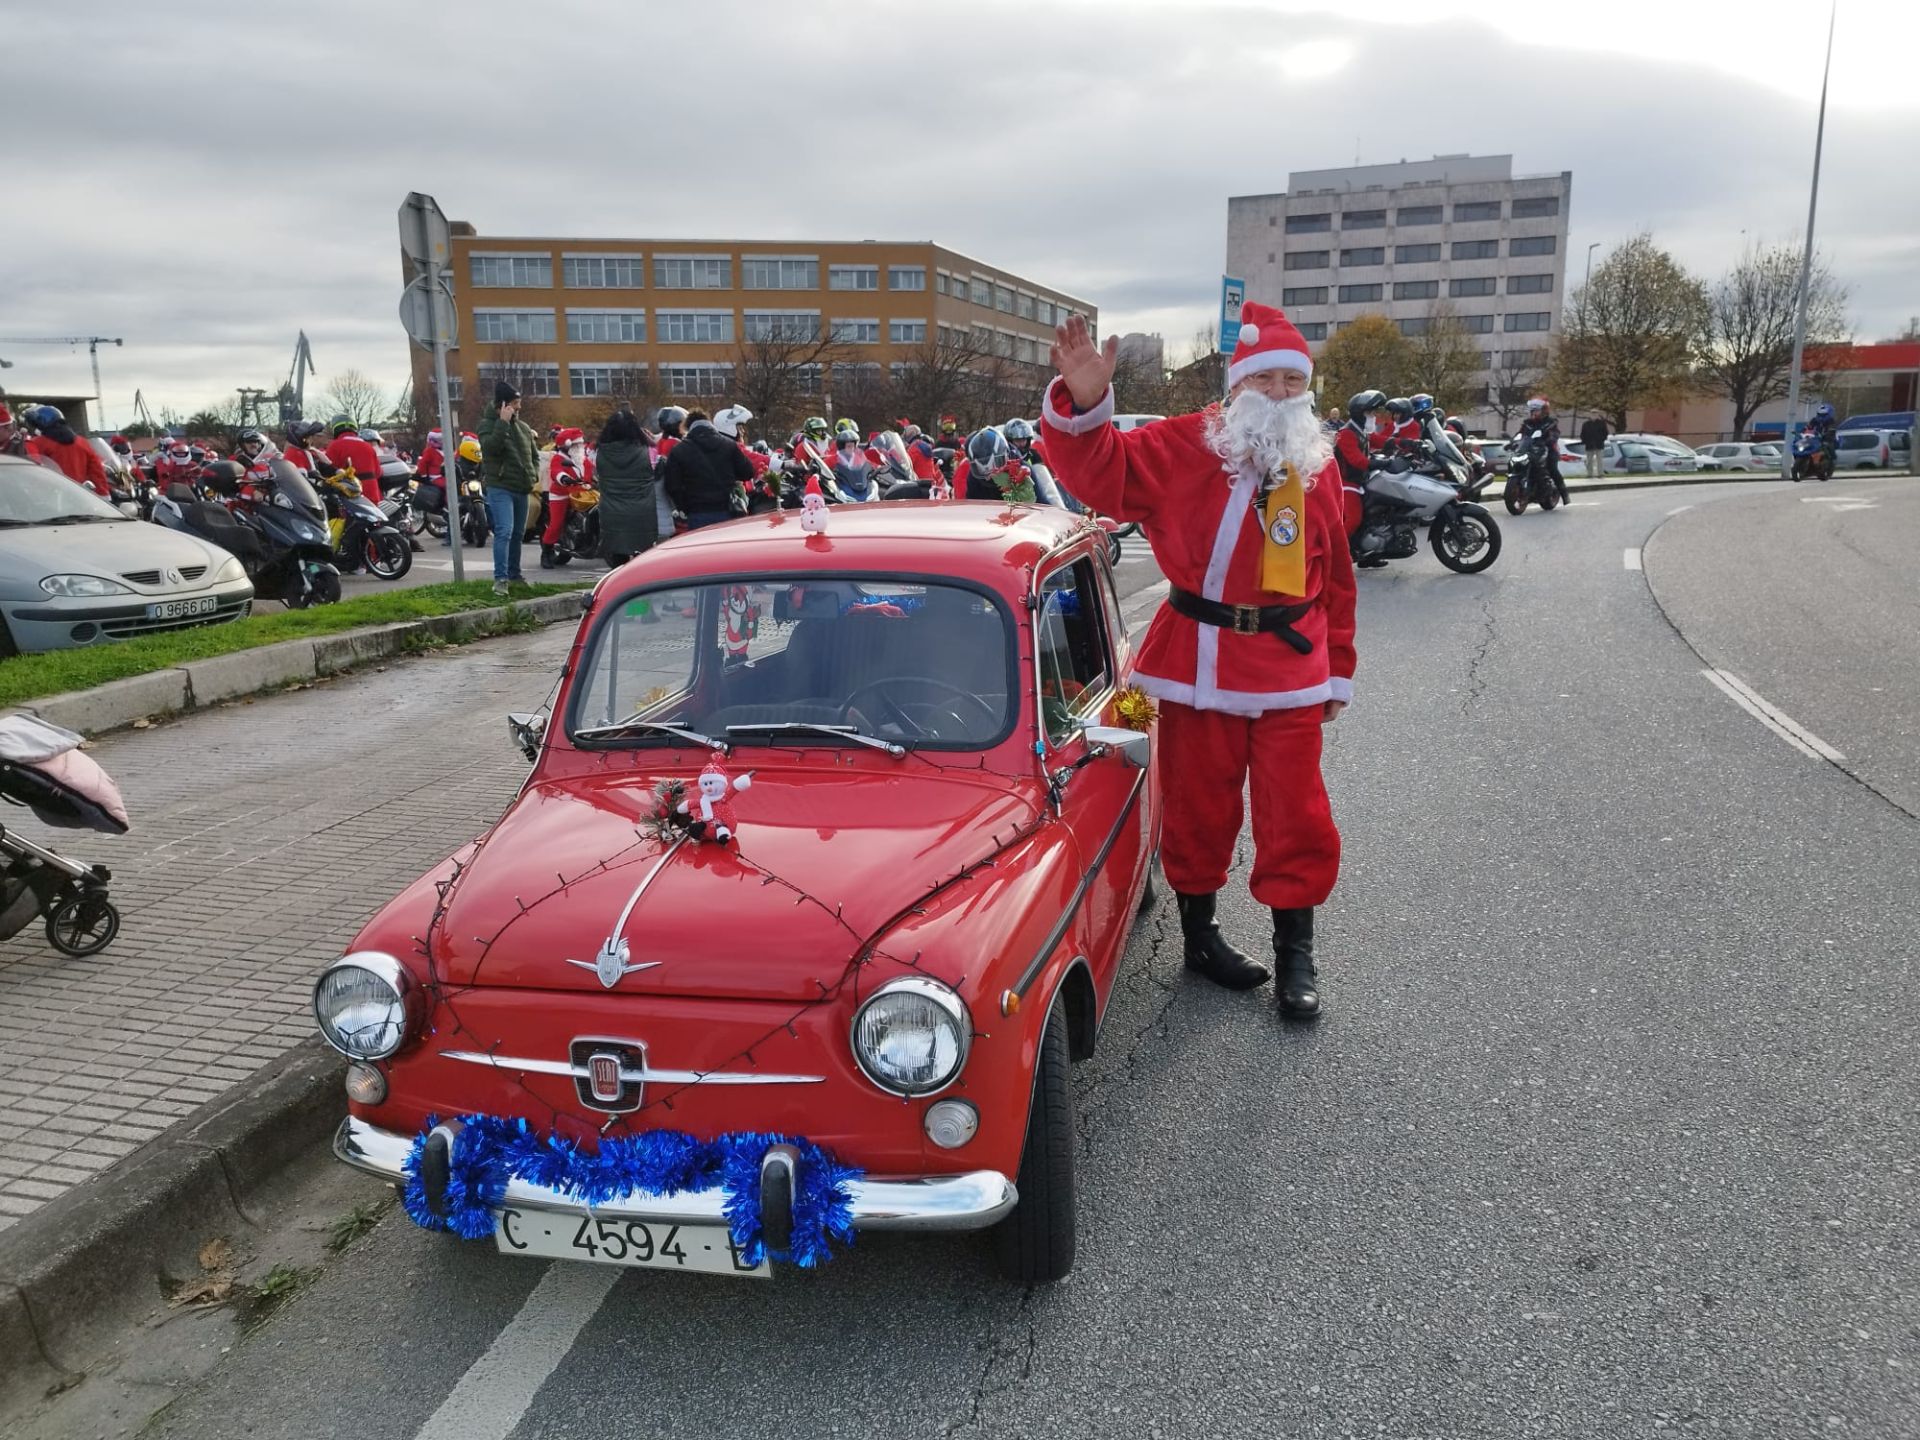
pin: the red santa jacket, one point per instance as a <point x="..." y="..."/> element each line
<point x="365" y="460"/>
<point x="433" y="465"/>
<point x="1204" y="527"/>
<point x="77" y="460"/>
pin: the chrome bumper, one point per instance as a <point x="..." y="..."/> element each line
<point x="971" y="1201"/>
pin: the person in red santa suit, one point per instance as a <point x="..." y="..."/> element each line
<point x="1353" y="451"/>
<point x="1252" y="651"/>
<point x="568" y="473"/>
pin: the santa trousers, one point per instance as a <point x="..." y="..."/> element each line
<point x="558" y="507"/>
<point x="1205" y="760"/>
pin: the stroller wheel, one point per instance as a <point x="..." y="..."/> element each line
<point x="82" y="924"/>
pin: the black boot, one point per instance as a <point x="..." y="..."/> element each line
<point x="547" y="559"/>
<point x="1207" y="949"/>
<point x="1296" y="990"/>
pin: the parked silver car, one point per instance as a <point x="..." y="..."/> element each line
<point x="1740" y="455"/>
<point x="75" y="571"/>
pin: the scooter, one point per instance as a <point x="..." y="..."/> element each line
<point x="363" y="534"/>
<point x="280" y="535"/>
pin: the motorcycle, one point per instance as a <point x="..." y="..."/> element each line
<point x="1528" y="480"/>
<point x="1811" y="457"/>
<point x="581" y="536"/>
<point x="1399" y="499"/>
<point x="363" y="533"/>
<point x="403" y="502"/>
<point x="280" y="535"/>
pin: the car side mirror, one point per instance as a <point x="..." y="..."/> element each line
<point x="1134" y="747"/>
<point x="527" y="731"/>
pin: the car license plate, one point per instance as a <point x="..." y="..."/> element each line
<point x="177" y="609"/>
<point x="609" y="1240"/>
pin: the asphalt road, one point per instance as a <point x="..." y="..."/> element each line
<point x="1608" y="1130"/>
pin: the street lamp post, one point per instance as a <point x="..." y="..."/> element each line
<point x="1806" y="262"/>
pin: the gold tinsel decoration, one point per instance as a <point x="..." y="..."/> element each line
<point x="1134" y="709"/>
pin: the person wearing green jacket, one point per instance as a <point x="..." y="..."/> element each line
<point x="508" y="473"/>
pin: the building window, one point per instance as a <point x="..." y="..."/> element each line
<point x="856" y="332"/>
<point x="456" y="387"/>
<point x="1003" y="299"/>
<point x="1366" y="255"/>
<point x="541" y="380"/>
<point x="1529" y="320"/>
<point x="625" y="327"/>
<point x="1026" y="306"/>
<point x="854" y="375"/>
<point x="1531" y="245"/>
<point x="506" y="327"/>
<point x="778" y="272"/>
<point x="1416" y="326"/>
<point x="906" y="277"/>
<point x="1522" y="358"/>
<point x="1529" y="284"/>
<point x="1305" y="295"/>
<point x="585" y="382"/>
<point x="1417" y="215"/>
<point x="693" y="272"/>
<point x="1360" y="294"/>
<point x="602" y="272"/>
<point x="1415" y="254"/>
<point x="1272" y="221"/>
<point x="696" y="380"/>
<point x="1486" y="356"/>
<point x="1306" y="260"/>
<point x="1479" y="285"/>
<point x="1477" y="324"/>
<point x="1416" y="289"/>
<point x="1364" y="220"/>
<point x="1026" y="349"/>
<point x="1477" y="210"/>
<point x="691" y="327"/>
<point x="508" y="271"/>
<point x="939" y="282"/>
<point x="797" y="325"/>
<point x="907" y="332"/>
<point x="1046" y="312"/>
<point x="806" y="380"/>
<point x="853" y="277"/>
<point x="1313" y="330"/>
<point x="1309" y="224"/>
<point x="1476" y="249"/>
<point x="981" y="292"/>
<point x="1536" y="209"/>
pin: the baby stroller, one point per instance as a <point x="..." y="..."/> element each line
<point x="42" y="768"/>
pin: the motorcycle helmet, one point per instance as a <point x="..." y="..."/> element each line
<point x="224" y="477"/>
<point x="1536" y="405"/>
<point x="760" y="447"/>
<point x="1018" y="431"/>
<point x="120" y="445"/>
<point x="949" y="426"/>
<point x="729" y="420"/>
<point x="815" y="428"/>
<point x="910" y="433"/>
<point x="1456" y="425"/>
<point x="470" y="450"/>
<point x="1821" y="412"/>
<point x="1400" y="409"/>
<point x="180" y="453"/>
<point x="43" y="417"/>
<point x="1422" y="405"/>
<point x="341" y="425"/>
<point x="671" y="418"/>
<point x="301" y="431"/>
<point x="1363" y="404"/>
<point x="846" y="433"/>
<point x="372" y="436"/>
<point x="250" y="443"/>
<point x="987" y="452"/>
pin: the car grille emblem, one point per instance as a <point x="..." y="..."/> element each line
<point x="612" y="963"/>
<point x="174" y="577"/>
<point x="603" y="1076"/>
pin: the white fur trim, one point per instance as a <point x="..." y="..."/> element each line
<point x="1099" y="415"/>
<point x="1342" y="689"/>
<point x="1233" y="702"/>
<point x="1270" y="360"/>
<point x="1249" y="335"/>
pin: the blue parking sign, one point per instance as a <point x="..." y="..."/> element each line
<point x="1232" y="294"/>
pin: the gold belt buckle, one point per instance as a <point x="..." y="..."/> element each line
<point x="1246" y="619"/>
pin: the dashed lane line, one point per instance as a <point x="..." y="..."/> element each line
<point x="1788" y="729"/>
<point x="1632" y="557"/>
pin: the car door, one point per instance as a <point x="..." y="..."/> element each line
<point x="1081" y="664"/>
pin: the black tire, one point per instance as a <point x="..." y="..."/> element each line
<point x="82" y="924"/>
<point x="1514" y="497"/>
<point x="1037" y="1240"/>
<point x="388" y="556"/>
<point x="1550" y="500"/>
<point x="437" y="526"/>
<point x="1449" y="549"/>
<point x="1113" y="548"/>
<point x="326" y="588"/>
<point x="8" y="649"/>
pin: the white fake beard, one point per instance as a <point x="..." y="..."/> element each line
<point x="1270" y="435"/>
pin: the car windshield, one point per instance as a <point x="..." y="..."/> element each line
<point x="32" y="494"/>
<point x="816" y="660"/>
<point x="1859" y="440"/>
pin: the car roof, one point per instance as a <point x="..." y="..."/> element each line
<point x="981" y="540"/>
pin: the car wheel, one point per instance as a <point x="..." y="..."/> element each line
<point x="7" y="648"/>
<point x="1036" y="1241"/>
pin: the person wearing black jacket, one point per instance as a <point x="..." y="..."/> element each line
<point x="1593" y="440"/>
<point x="703" y="473"/>
<point x="1541" y="427"/>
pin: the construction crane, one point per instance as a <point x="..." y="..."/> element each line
<point x="293" y="394"/>
<point x="93" y="344"/>
<point x="145" y="417"/>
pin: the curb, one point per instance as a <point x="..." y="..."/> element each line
<point x="200" y="683"/>
<point x="98" y="1257"/>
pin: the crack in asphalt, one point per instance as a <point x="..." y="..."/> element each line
<point x="1477" y="681"/>
<point x="1138" y="985"/>
<point x="1001" y="1347"/>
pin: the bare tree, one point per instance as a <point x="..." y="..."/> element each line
<point x="937" y="378"/>
<point x="1512" y="380"/>
<point x="777" y="374"/>
<point x="357" y="397"/>
<point x="1632" y="333"/>
<point x="1751" y="316"/>
<point x="1443" y="358"/>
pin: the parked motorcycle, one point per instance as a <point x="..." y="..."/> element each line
<point x="1810" y="457"/>
<point x="475" y="528"/>
<point x="362" y="533"/>
<point x="1399" y="500"/>
<point x="581" y="536"/>
<point x="403" y="501"/>
<point x="280" y="535"/>
<point x="1528" y="480"/>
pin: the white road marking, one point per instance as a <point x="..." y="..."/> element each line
<point x="1632" y="558"/>
<point x="1678" y="510"/>
<point x="1143" y="601"/>
<point x="495" y="1392"/>
<point x="1575" y="504"/>
<point x="1841" y="503"/>
<point x="1788" y="729"/>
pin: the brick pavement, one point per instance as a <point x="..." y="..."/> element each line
<point x="264" y="834"/>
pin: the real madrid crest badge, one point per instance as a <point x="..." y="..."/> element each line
<point x="1285" y="528"/>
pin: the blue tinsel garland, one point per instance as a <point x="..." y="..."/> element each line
<point x="491" y="1151"/>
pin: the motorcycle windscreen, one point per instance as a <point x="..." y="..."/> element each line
<point x="297" y="488"/>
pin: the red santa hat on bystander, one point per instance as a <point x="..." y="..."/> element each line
<point x="1268" y="341"/>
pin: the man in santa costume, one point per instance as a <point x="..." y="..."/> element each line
<point x="1252" y="652"/>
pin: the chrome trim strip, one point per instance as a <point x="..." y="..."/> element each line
<point x="970" y="1201"/>
<point x="1032" y="972"/>
<point x="628" y="1075"/>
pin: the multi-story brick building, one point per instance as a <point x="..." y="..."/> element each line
<point x="586" y="321"/>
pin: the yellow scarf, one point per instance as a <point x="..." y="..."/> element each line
<point x="1283" y="557"/>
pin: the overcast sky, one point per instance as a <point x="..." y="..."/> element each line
<point x="207" y="179"/>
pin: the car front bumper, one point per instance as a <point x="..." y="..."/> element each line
<point x="971" y="1201"/>
<point x="62" y="622"/>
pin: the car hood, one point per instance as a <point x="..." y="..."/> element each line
<point x="109" y="549"/>
<point x="826" y="858"/>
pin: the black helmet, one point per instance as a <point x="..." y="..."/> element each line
<point x="301" y="431"/>
<point x="1422" y="404"/>
<point x="671" y="416"/>
<point x="1364" y="403"/>
<point x="343" y="426"/>
<point x="224" y="477"/>
<point x="1400" y="409"/>
<point x="249" y="437"/>
<point x="987" y="451"/>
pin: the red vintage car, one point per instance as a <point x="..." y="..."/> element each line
<point x="828" y="858"/>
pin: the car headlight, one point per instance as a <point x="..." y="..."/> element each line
<point x="231" y="570"/>
<point x="76" y="586"/>
<point x="911" y="1037"/>
<point x="366" y="1005"/>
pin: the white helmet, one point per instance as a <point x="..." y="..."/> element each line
<point x="729" y="420"/>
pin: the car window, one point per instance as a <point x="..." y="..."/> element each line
<point x="35" y="494"/>
<point x="1070" y="645"/>
<point x="1858" y="440"/>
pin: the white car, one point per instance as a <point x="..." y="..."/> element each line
<point x="1134" y="422"/>
<point x="1740" y="455"/>
<point x="1666" y="453"/>
<point x="1871" y="449"/>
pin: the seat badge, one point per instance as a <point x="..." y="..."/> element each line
<point x="603" y="1076"/>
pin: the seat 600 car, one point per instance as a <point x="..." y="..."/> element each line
<point x="828" y="857"/>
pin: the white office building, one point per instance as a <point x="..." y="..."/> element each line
<point x="1397" y="240"/>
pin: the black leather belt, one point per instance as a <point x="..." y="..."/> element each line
<point x="1243" y="619"/>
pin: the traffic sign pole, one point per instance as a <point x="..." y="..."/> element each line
<point x="427" y="240"/>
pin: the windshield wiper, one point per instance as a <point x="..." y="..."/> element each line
<point x="814" y="727"/>
<point x="79" y="519"/>
<point x="634" y="722"/>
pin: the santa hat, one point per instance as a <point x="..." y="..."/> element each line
<point x="1268" y="341"/>
<point x="564" y="438"/>
<point x="813" y="489"/>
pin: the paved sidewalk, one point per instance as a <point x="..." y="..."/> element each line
<point x="264" y="834"/>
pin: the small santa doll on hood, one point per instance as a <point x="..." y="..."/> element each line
<point x="710" y="811"/>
